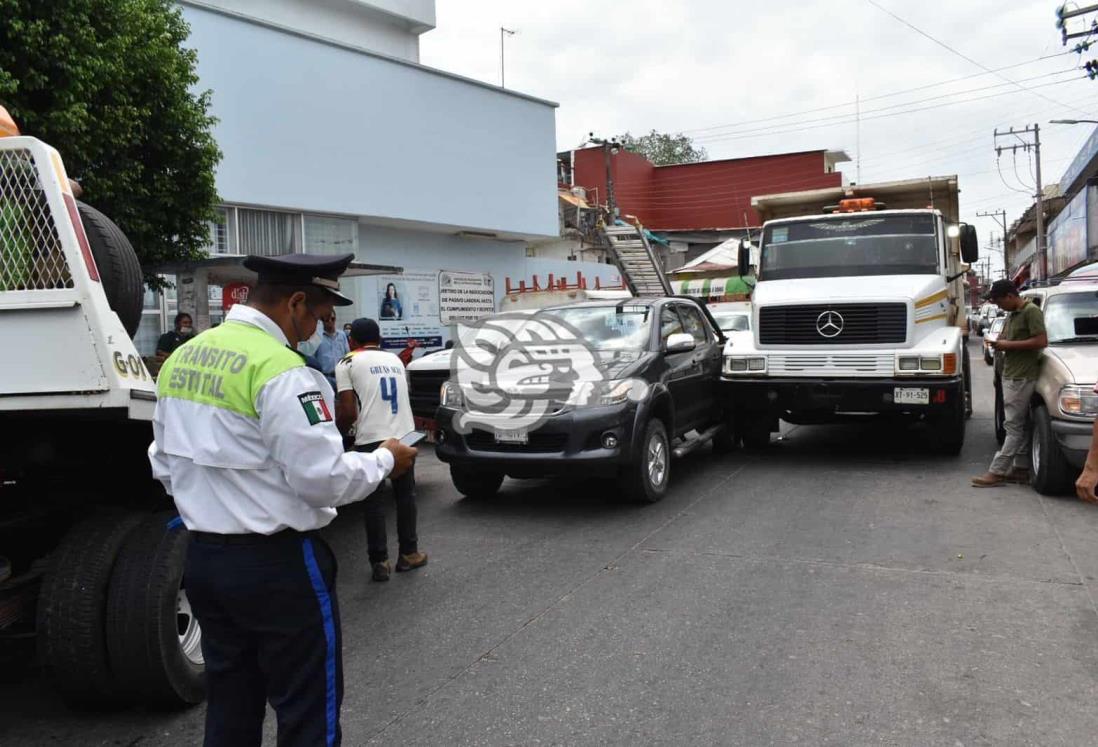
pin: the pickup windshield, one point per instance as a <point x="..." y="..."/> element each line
<point x="606" y="328"/>
<point x="864" y="244"/>
<point x="1063" y="309"/>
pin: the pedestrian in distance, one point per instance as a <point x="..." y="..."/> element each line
<point x="245" y="443"/>
<point x="333" y="346"/>
<point x="181" y="331"/>
<point x="373" y="399"/>
<point x="1021" y="341"/>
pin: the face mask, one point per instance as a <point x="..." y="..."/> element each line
<point x="186" y="331"/>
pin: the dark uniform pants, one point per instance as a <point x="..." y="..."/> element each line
<point x="270" y="634"/>
<point x="404" y="494"/>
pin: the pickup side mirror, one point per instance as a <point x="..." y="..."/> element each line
<point x="743" y="260"/>
<point x="680" y="342"/>
<point x="970" y="245"/>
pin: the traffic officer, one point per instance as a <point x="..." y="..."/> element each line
<point x="246" y="444"/>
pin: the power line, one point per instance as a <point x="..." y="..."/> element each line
<point x="871" y="98"/>
<point x="965" y="57"/>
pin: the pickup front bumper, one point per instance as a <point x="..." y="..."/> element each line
<point x="826" y="400"/>
<point x="570" y="442"/>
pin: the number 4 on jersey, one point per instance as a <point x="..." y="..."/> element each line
<point x="389" y="391"/>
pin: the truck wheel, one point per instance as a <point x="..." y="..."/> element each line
<point x="72" y="610"/>
<point x="725" y="440"/>
<point x="949" y="432"/>
<point x="119" y="270"/>
<point x="754" y="432"/>
<point x="966" y="370"/>
<point x="475" y="484"/>
<point x="1000" y="414"/>
<point x="1051" y="473"/>
<point x="154" y="640"/>
<point x="647" y="477"/>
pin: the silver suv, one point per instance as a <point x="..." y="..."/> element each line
<point x="1064" y="404"/>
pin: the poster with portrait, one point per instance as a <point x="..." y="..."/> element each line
<point x="407" y="310"/>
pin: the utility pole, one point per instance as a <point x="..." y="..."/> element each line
<point x="1030" y="138"/>
<point x="858" y="134"/>
<point x="508" y="32"/>
<point x="1000" y="218"/>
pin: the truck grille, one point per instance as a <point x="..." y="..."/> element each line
<point x="830" y="364"/>
<point x="860" y="323"/>
<point x="423" y="391"/>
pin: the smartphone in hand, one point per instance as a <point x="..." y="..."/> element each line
<point x="411" y="438"/>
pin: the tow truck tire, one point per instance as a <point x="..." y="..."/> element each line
<point x="646" y="478"/>
<point x="119" y="270"/>
<point x="153" y="638"/>
<point x="475" y="484"/>
<point x="1050" y="473"/>
<point x="72" y="610"/>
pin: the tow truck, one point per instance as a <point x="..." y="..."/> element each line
<point x="91" y="552"/>
<point x="858" y="311"/>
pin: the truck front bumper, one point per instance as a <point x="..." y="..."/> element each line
<point x="825" y="400"/>
<point x="571" y="442"/>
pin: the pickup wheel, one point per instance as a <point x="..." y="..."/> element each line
<point x="475" y="484"/>
<point x="1000" y="413"/>
<point x="72" y="610"/>
<point x="119" y="270"/>
<point x="1051" y="474"/>
<point x="153" y="637"/>
<point x="646" y="478"/>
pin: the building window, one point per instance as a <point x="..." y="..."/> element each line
<point x="268" y="232"/>
<point x="325" y="235"/>
<point x="223" y="232"/>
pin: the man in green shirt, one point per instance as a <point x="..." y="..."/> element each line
<point x="1022" y="339"/>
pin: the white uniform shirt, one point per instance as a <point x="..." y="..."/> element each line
<point x="380" y="384"/>
<point x="231" y="474"/>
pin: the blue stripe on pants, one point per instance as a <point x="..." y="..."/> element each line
<point x="325" y="601"/>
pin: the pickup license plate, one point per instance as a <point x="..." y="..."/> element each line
<point x="512" y="437"/>
<point x="906" y="395"/>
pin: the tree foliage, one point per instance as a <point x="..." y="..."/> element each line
<point x="664" y="149"/>
<point x="110" y="85"/>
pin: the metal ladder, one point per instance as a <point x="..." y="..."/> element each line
<point x="640" y="268"/>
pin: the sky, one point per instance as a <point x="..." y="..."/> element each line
<point x="752" y="78"/>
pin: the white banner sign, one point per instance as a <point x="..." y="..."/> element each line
<point x="465" y="296"/>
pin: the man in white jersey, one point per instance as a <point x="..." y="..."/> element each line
<point x="373" y="398"/>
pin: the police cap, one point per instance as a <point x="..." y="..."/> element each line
<point x="323" y="271"/>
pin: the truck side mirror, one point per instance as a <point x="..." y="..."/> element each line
<point x="744" y="258"/>
<point x="970" y="245"/>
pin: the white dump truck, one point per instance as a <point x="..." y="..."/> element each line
<point x="91" y="552"/>
<point x="859" y="311"/>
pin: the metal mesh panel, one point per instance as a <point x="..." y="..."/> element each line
<point x="31" y="257"/>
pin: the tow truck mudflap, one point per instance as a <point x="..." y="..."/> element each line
<point x="910" y="396"/>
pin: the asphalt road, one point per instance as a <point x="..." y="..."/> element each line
<point x="842" y="587"/>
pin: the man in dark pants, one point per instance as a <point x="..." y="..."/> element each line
<point x="373" y="398"/>
<point x="246" y="445"/>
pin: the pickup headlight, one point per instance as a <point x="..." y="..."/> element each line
<point x="450" y="395"/>
<point x="741" y="364"/>
<point x="620" y="390"/>
<point x="1078" y="401"/>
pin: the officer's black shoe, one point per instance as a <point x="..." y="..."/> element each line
<point x="411" y="562"/>
<point x="381" y="571"/>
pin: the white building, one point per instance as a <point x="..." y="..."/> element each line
<point x="336" y="139"/>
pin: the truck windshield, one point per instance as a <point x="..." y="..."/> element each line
<point x="1061" y="312"/>
<point x="858" y="245"/>
<point x="608" y="328"/>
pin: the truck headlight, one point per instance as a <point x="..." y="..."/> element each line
<point x="1078" y="401"/>
<point x="744" y="363"/>
<point x="909" y="364"/>
<point x="940" y="365"/>
<point x="450" y="395"/>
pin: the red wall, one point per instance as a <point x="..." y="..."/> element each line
<point x="713" y="194"/>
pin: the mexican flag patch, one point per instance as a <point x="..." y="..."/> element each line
<point x="315" y="408"/>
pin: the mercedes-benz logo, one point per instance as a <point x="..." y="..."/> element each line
<point x="829" y="324"/>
